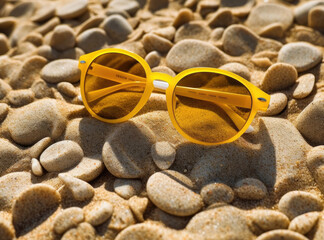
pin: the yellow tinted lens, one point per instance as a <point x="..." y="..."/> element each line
<point x="211" y="107"/>
<point x="114" y="85"/>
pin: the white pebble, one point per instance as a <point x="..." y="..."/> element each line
<point x="36" y="167"/>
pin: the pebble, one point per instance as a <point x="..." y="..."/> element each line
<point x="62" y="70"/>
<point x="263" y="15"/>
<point x="88" y="169"/>
<point x="127" y="188"/>
<point x="48" y="26"/>
<point x="304" y="223"/>
<point x="310" y="122"/>
<point x="164" y="69"/>
<point x="238" y="69"/>
<point x="303" y="56"/>
<point x="278" y="77"/>
<point x="121" y="218"/>
<point x="217" y="192"/>
<point x="63" y="38"/>
<point x="44" y="13"/>
<point x="315" y="158"/>
<point x="37" y="120"/>
<point x="250" y="189"/>
<point x="4" y="44"/>
<point x="163" y="154"/>
<point x="216" y="34"/>
<point x="52" y="54"/>
<point x="71" y="8"/>
<point x="6" y="231"/>
<point x="41" y="89"/>
<point x="4" y="88"/>
<point x="83" y="231"/>
<point x="36" y="167"/>
<point x="166" y="190"/>
<point x="191" y="53"/>
<point x="301" y="11"/>
<point x="153" y="42"/>
<point x="92" y="39"/>
<point x="240" y="9"/>
<point x="155" y="5"/>
<point x="184" y="16"/>
<point x="68" y="218"/>
<point x="296" y="203"/>
<point x="206" y="7"/>
<point x="35" y="38"/>
<point x="61" y="155"/>
<point x="99" y="213"/>
<point x="166" y="32"/>
<point x="67" y="89"/>
<point x="11" y="185"/>
<point x="192" y="30"/>
<point x="129" y="159"/>
<point x="138" y="206"/>
<point x="281" y="234"/>
<point x="214" y="224"/>
<point x="278" y="102"/>
<point x="117" y="28"/>
<point x="33" y="205"/>
<point x="80" y="189"/>
<point x="4" y="109"/>
<point x="305" y="85"/>
<point x="20" y="31"/>
<point x="111" y="11"/>
<point x="153" y="59"/>
<point x="130" y="6"/>
<point x="92" y="22"/>
<point x="21" y="97"/>
<point x="23" y="10"/>
<point x="221" y="18"/>
<point x="264" y="220"/>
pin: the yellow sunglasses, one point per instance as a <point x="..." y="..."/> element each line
<point x="206" y="105"/>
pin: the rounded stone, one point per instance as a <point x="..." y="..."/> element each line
<point x="163" y="154"/>
<point x="278" y="102"/>
<point x="316" y="17"/>
<point x="303" y="56"/>
<point x="99" y="213"/>
<point x="279" y="76"/>
<point x="153" y="59"/>
<point x="251" y="189"/>
<point x="217" y="192"/>
<point x="310" y="122"/>
<point x="62" y="70"/>
<point x="296" y="203"/>
<point x="4" y="109"/>
<point x="302" y="10"/>
<point x="67" y="89"/>
<point x="191" y="53"/>
<point x="68" y="218"/>
<point x="166" y="190"/>
<point x="71" y="8"/>
<point x="153" y="42"/>
<point x="92" y="39"/>
<point x="238" y="8"/>
<point x="4" y="88"/>
<point x="155" y="5"/>
<point x="238" y="69"/>
<point x="184" y="16"/>
<point x="138" y="206"/>
<point x="315" y="158"/>
<point x="36" y="167"/>
<point x="6" y="232"/>
<point x="33" y="205"/>
<point x="61" y="155"/>
<point x="130" y="6"/>
<point x="20" y="97"/>
<point x="127" y="188"/>
<point x="166" y="32"/>
<point x="305" y="85"/>
<point x="4" y="44"/>
<point x="83" y="231"/>
<point x="192" y="30"/>
<point x="117" y="28"/>
<point x="281" y="234"/>
<point x="63" y="38"/>
<point x="221" y="18"/>
<point x="44" y="13"/>
<point x="304" y="223"/>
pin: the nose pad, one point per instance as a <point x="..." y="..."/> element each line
<point x="159" y="84"/>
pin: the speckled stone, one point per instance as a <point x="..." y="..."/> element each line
<point x="303" y="56"/>
<point x="278" y="102"/>
<point x="217" y="192"/>
<point x="63" y="38"/>
<point x="62" y="70"/>
<point x="163" y="154"/>
<point x="166" y="190"/>
<point x="304" y="223"/>
<point x="83" y="231"/>
<point x="20" y="97"/>
<point x="117" y="28"/>
<point x="251" y="189"/>
<point x="127" y="188"/>
<point x="92" y="39"/>
<point x="305" y="85"/>
<point x="296" y="203"/>
<point x="68" y="218"/>
<point x="99" y="213"/>
<point x="281" y="234"/>
<point x="193" y="30"/>
<point x="71" y="8"/>
<point x="138" y="206"/>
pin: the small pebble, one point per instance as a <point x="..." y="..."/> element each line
<point x="127" y="188"/>
<point x="33" y="205"/>
<point x="153" y="42"/>
<point x="35" y="38"/>
<point x="216" y="34"/>
<point x="117" y="28"/>
<point x="315" y="158"/>
<point x="166" y="190"/>
<point x="6" y="231"/>
<point x="21" y="97"/>
<point x="22" y="10"/>
<point x="48" y="26"/>
<point x="303" y="56"/>
<point x="61" y="155"/>
<point x="71" y="8"/>
<point x="41" y="89"/>
<point x="138" y="206"/>
<point x="217" y="192"/>
<point x="301" y="11"/>
<point x="240" y="9"/>
<point x="44" y="13"/>
<point x="296" y="203"/>
<point x="305" y="85"/>
<point x="4" y="89"/>
<point x="68" y="218"/>
<point x="205" y="7"/>
<point x="310" y="122"/>
<point x="36" y="167"/>
<point x="221" y="18"/>
<point x="163" y="154"/>
<point x="164" y="69"/>
<point x="153" y="59"/>
<point x="238" y="69"/>
<point x="304" y="223"/>
<point x="67" y="88"/>
<point x="166" y="32"/>
<point x="121" y="218"/>
<point x="63" y="70"/>
<point x="4" y="109"/>
<point x="83" y="231"/>
<point x="192" y="30"/>
<point x="184" y="16"/>
<point x="4" y="44"/>
<point x="250" y="189"/>
<point x="279" y="76"/>
<point x="99" y="213"/>
<point x="130" y="6"/>
<point x="281" y="234"/>
<point x="92" y="39"/>
<point x="155" y="5"/>
<point x="81" y="190"/>
<point x="278" y="102"/>
<point x="63" y="38"/>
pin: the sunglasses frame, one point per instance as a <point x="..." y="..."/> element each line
<point x="259" y="99"/>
